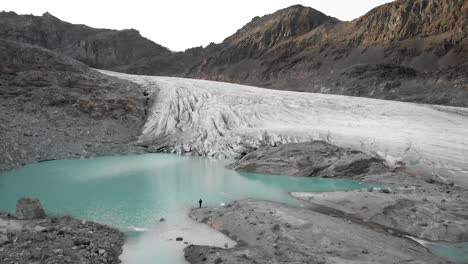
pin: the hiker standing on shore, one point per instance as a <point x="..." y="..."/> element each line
<point x="200" y="202"/>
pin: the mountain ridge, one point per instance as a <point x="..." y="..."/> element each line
<point x="104" y="48"/>
<point x="299" y="48"/>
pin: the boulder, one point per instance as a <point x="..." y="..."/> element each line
<point x="3" y="239"/>
<point x="309" y="159"/>
<point x="29" y="208"/>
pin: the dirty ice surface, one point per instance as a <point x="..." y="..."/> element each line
<point x="222" y="120"/>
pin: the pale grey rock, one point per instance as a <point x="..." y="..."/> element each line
<point x="29" y="208"/>
<point x="315" y="158"/>
<point x="403" y="211"/>
<point x="298" y="235"/>
<point x="39" y="228"/>
<point x="3" y="239"/>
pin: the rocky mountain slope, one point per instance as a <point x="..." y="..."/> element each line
<point x="410" y="50"/>
<point x="99" y="48"/>
<point x="407" y="50"/>
<point x="54" y="107"/>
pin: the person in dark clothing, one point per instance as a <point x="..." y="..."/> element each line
<point x="200" y="202"/>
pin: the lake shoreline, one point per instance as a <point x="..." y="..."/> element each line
<point x="417" y="205"/>
<point x="58" y="240"/>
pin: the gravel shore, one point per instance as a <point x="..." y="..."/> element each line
<point x="361" y="226"/>
<point x="58" y="240"/>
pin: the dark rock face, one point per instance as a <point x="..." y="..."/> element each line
<point x="53" y="107"/>
<point x="29" y="208"/>
<point x="100" y="48"/>
<point x="315" y="158"/>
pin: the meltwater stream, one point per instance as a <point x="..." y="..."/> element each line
<point x="134" y="192"/>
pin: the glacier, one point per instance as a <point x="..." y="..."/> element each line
<point x="224" y="120"/>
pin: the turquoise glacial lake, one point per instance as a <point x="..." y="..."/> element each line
<point x="133" y="192"/>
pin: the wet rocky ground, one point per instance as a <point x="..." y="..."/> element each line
<point x="268" y="232"/>
<point x="371" y="225"/>
<point x="56" y="240"/>
<point x="416" y="207"/>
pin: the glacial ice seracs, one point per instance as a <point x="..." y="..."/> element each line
<point x="225" y="120"/>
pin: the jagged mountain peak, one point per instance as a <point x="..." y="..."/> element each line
<point x="264" y="32"/>
<point x="403" y="19"/>
<point x="47" y="14"/>
<point x="101" y="48"/>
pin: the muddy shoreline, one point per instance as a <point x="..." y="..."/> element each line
<point x="335" y="227"/>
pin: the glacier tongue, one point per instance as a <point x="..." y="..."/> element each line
<point x="224" y="120"/>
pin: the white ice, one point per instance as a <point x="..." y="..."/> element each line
<point x="223" y="120"/>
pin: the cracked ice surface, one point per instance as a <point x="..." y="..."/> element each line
<point x="223" y="120"/>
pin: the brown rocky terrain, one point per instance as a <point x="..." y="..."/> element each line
<point x="407" y="50"/>
<point x="53" y="107"/>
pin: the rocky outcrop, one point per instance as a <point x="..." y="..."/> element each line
<point x="315" y="158"/>
<point x="404" y="19"/>
<point x="54" y="107"/>
<point x="29" y="209"/>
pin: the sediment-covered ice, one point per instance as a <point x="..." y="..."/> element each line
<point x="224" y="120"/>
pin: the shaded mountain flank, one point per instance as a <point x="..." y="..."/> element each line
<point x="99" y="48"/>
<point x="53" y="107"/>
<point x="407" y="50"/>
